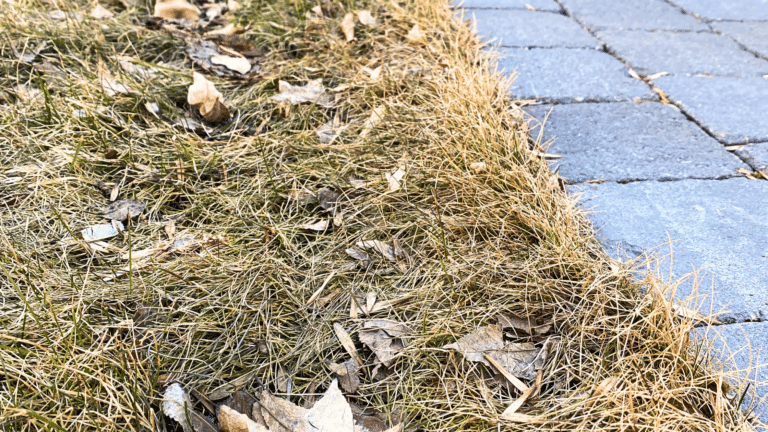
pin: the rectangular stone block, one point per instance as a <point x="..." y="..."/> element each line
<point x="733" y="110"/>
<point x="726" y="9"/>
<point x="523" y="28"/>
<point x="629" y="142"/>
<point x="571" y="75"/>
<point x="631" y="14"/>
<point x="682" y="53"/>
<point x="539" y="5"/>
<point x="718" y="225"/>
<point x="753" y="35"/>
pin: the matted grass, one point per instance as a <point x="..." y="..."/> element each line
<point x="81" y="353"/>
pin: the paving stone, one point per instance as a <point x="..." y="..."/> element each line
<point x="753" y="35"/>
<point x="756" y="155"/>
<point x="726" y="9"/>
<point x="543" y="5"/>
<point x="523" y="28"/>
<point x="571" y="75"/>
<point x="630" y="14"/>
<point x="744" y="348"/>
<point x="630" y="141"/>
<point x="682" y="53"/>
<point x="719" y="223"/>
<point x="731" y="109"/>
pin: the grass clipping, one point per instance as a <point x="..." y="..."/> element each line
<point x="404" y="189"/>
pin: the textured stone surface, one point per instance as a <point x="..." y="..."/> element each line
<point x="544" y="5"/>
<point x="719" y="223"/>
<point x="753" y="35"/>
<point x="629" y="141"/>
<point x="726" y="9"/>
<point x="571" y="75"/>
<point x="744" y="348"/>
<point x="631" y="14"/>
<point x="756" y="155"/>
<point x="682" y="53"/>
<point x="731" y="109"/>
<point x="523" y="28"/>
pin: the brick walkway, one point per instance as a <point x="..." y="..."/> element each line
<point x="655" y="171"/>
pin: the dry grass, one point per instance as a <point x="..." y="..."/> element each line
<point x="78" y="353"/>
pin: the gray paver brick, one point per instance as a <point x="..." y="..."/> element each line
<point x="630" y="14"/>
<point x="719" y="223"/>
<point x="756" y="155"/>
<point x="753" y="35"/>
<point x="731" y="109"/>
<point x="744" y="347"/>
<point x="629" y="141"/>
<point x="726" y="9"/>
<point x="523" y="28"/>
<point x="571" y="75"/>
<point x="682" y="53"/>
<point x="543" y="5"/>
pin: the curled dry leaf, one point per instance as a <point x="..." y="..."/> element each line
<point x="416" y="35"/>
<point x="358" y="254"/>
<point x="516" y="358"/>
<point x="176" y="9"/>
<point x="366" y="18"/>
<point x="348" y="374"/>
<point x="348" y="26"/>
<point x="384" y="338"/>
<point x="384" y="249"/>
<point x="204" y="97"/>
<point x="237" y="64"/>
<point x="320" y="225"/>
<point x="178" y="406"/>
<point x="101" y="231"/>
<point x="312" y="92"/>
<point x="124" y="209"/>
<point x="375" y="118"/>
<point x="233" y="421"/>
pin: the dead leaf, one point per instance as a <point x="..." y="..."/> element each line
<point x="242" y="402"/>
<point x="176" y="9"/>
<point x="383" y="337"/>
<point x="152" y="107"/>
<point x="416" y="35"/>
<point x="301" y="196"/>
<point x="516" y="324"/>
<point x="312" y="92"/>
<point x="101" y="231"/>
<point x="329" y="414"/>
<point x="348" y="26"/>
<point x="233" y="421"/>
<point x="205" y="98"/>
<point x="348" y="374"/>
<point x="327" y="199"/>
<point x="141" y="73"/>
<point x="320" y="225"/>
<point x="326" y="133"/>
<point x="366" y="18"/>
<point x="178" y="406"/>
<point x="284" y="382"/>
<point x="523" y="418"/>
<point x="100" y="12"/>
<point x="358" y="254"/>
<point x="237" y="64"/>
<point x="370" y="300"/>
<point x="346" y="342"/>
<point x="230" y="29"/>
<point x="375" y="118"/>
<point x="394" y="180"/>
<point x="511" y="378"/>
<point x="401" y="256"/>
<point x="515" y="358"/>
<point x="124" y="209"/>
<point x="374" y="73"/>
<point x="338" y="219"/>
<point x="384" y="249"/>
<point x="108" y="83"/>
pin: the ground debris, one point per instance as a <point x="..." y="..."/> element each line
<point x="312" y="92"/>
<point x="204" y="97"/>
<point x="515" y="358"/>
<point x="124" y="209"/>
<point x="385" y="338"/>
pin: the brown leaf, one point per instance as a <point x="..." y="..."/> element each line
<point x="241" y="402"/>
<point x="124" y="209"/>
<point x="312" y="92"/>
<point x="178" y="406"/>
<point x="329" y="414"/>
<point x="346" y="342"/>
<point x="176" y="9"/>
<point x="348" y="26"/>
<point x="517" y="324"/>
<point x="327" y="199"/>
<point x="383" y="337"/>
<point x="366" y="18"/>
<point x="233" y="421"/>
<point x="205" y="98"/>
<point x="515" y="358"/>
<point x="348" y="374"/>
